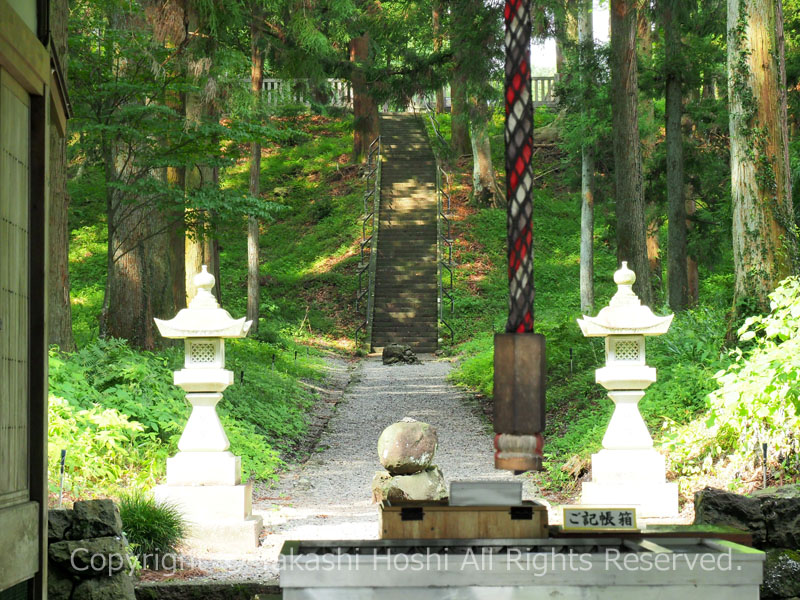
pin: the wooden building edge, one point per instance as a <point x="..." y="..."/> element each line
<point x="33" y="106"/>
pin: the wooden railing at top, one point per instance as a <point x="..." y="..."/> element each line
<point x="543" y="91"/>
<point x="295" y="91"/>
<point x="543" y="95"/>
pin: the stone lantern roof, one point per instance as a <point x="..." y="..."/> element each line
<point x="625" y="313"/>
<point x="204" y="317"/>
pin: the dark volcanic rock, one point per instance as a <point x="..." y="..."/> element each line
<point x="398" y="353"/>
<point x="781" y="509"/>
<point x="718" y="507"/>
<point x="59" y="522"/>
<point x="95" y="518"/>
<point x="781" y="574"/>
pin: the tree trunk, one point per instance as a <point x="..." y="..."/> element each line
<point x="586" y="41"/>
<point x="692" y="273"/>
<point x="677" y="260"/>
<point x="764" y="239"/>
<point x="365" y="111"/>
<point x="484" y="185"/>
<point x="138" y="285"/>
<point x="653" y="220"/>
<point x="253" y="288"/>
<point x="437" y="46"/>
<point x="459" y="119"/>
<point x="566" y="32"/>
<point x="176" y="177"/>
<point x="201" y="247"/>
<point x="644" y="48"/>
<point x="59" y="312"/>
<point x="631" y="232"/>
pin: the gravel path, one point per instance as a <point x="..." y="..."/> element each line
<point x="329" y="496"/>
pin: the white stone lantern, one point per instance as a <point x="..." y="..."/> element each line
<point x="628" y="471"/>
<point x="204" y="478"/>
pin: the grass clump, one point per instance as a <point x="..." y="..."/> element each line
<point x="154" y="529"/>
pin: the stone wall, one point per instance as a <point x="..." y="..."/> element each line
<point x="87" y="555"/>
<point x="772" y="516"/>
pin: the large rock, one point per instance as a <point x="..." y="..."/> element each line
<point x="118" y="587"/>
<point x="781" y="574"/>
<point x="398" y="353"/>
<point x="780" y="507"/>
<point x="91" y="558"/>
<point x="59" y="522"/>
<point x="407" y="447"/>
<point x="772" y="515"/>
<point x="718" y="507"/>
<point x="95" y="518"/>
<point x="427" y="486"/>
<point x="59" y="586"/>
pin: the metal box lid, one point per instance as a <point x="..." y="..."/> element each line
<point x="485" y="493"/>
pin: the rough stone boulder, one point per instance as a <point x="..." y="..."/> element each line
<point x="87" y="554"/>
<point x="91" y="557"/>
<point x="398" y="353"/>
<point x="407" y="447"/>
<point x="426" y="486"/>
<point x="718" y="507"/>
<point x="116" y="587"/>
<point x="780" y="507"/>
<point x="59" y="523"/>
<point x="772" y="515"/>
<point x="781" y="574"/>
<point x="95" y="518"/>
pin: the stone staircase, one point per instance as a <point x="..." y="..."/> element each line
<point x="406" y="281"/>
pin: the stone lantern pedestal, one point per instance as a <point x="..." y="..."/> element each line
<point x="628" y="471"/>
<point x="204" y="479"/>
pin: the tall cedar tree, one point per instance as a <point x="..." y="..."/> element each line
<point x="586" y="48"/>
<point x="676" y="247"/>
<point x="59" y="310"/>
<point x="764" y="234"/>
<point x="365" y="109"/>
<point x="253" y="229"/>
<point x="631" y="232"/>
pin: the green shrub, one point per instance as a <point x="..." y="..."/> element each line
<point x="757" y="399"/>
<point x="119" y="416"/>
<point x="154" y="529"/>
<point x="101" y="447"/>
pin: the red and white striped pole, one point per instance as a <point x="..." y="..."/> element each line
<point x="519" y="358"/>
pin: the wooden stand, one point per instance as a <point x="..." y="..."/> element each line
<point x="430" y="521"/>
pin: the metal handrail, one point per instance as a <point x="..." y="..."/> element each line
<point x="444" y="245"/>
<point x="368" y="245"/>
<point x="444" y="248"/>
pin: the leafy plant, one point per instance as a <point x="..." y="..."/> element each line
<point x="757" y="400"/>
<point x="153" y="528"/>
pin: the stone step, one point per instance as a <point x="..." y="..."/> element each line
<point x="389" y="293"/>
<point x="384" y="339"/>
<point x="405" y="303"/>
<point x="407" y="322"/>
<point x="406" y="317"/>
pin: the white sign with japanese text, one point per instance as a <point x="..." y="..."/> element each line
<point x="599" y="518"/>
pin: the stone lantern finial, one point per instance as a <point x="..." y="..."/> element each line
<point x="625" y="313"/>
<point x="624" y="276"/>
<point x="204" y="282"/>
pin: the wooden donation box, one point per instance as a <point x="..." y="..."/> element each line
<point x="476" y="510"/>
